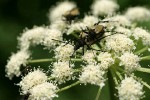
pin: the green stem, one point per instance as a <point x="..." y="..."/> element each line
<point x="145" y="84"/>
<point x="50" y="60"/>
<point x="114" y="77"/>
<point x="77" y="70"/>
<point x="98" y="94"/>
<point x="147" y="70"/>
<point x="111" y="85"/>
<point x="40" y="60"/>
<point x="145" y="58"/>
<point x="141" y="51"/>
<point x="50" y="78"/>
<point x="119" y="75"/>
<point x="67" y="87"/>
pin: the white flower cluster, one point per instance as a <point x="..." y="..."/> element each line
<point x="31" y="37"/>
<point x="90" y="20"/>
<point x="120" y="20"/>
<point x="39" y="35"/>
<point x="93" y="75"/>
<point x="44" y="91"/>
<point x="89" y="57"/>
<point x="14" y="63"/>
<point x="59" y="25"/>
<point x="105" y="59"/>
<point x="62" y="71"/>
<point x="110" y="49"/>
<point x="104" y="7"/>
<point x="124" y="30"/>
<point x="130" y="61"/>
<point x="138" y="14"/>
<point x="64" y="51"/>
<point x="119" y="43"/>
<point x="32" y="79"/>
<point x="130" y="89"/>
<point x="140" y="33"/>
<point x="56" y="13"/>
<point x="52" y="38"/>
<point x="35" y="84"/>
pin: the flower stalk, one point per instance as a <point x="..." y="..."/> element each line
<point x="98" y="93"/>
<point x="68" y="87"/>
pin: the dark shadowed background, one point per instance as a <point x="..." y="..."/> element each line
<point x="15" y="15"/>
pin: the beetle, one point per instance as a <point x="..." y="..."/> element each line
<point x="90" y="36"/>
<point x="71" y="14"/>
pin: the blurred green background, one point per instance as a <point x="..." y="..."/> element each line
<point x="15" y="15"/>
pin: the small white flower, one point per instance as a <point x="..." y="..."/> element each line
<point x="130" y="89"/>
<point x="120" y="20"/>
<point x="76" y="27"/>
<point x="90" y="20"/>
<point x="138" y="14"/>
<point x="32" y="79"/>
<point x="59" y="25"/>
<point x="143" y="34"/>
<point x="93" y="75"/>
<point x="15" y="62"/>
<point x="106" y="60"/>
<point x="64" y="51"/>
<point x="51" y="34"/>
<point x="62" y="71"/>
<point x="130" y="61"/>
<point x="89" y="57"/>
<point x="57" y="12"/>
<point x="31" y="37"/>
<point x="119" y="43"/>
<point x="123" y="30"/>
<point x="104" y="7"/>
<point x="44" y="91"/>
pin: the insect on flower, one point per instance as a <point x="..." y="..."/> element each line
<point x="90" y="36"/>
<point x="71" y="15"/>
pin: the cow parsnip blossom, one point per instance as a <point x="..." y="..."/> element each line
<point x="51" y="38"/>
<point x="143" y="34"/>
<point x="124" y="30"/>
<point x="112" y="55"/>
<point x="89" y="57"/>
<point x="93" y="75"/>
<point x="64" y="51"/>
<point x="120" y="20"/>
<point x="104" y="7"/>
<point x="32" y="79"/>
<point x="57" y="12"/>
<point x="30" y="37"/>
<point x="90" y="20"/>
<point x="105" y="60"/>
<point x="14" y="63"/>
<point x="138" y="14"/>
<point x="44" y="91"/>
<point x="119" y="43"/>
<point x="130" y="61"/>
<point x="59" y="25"/>
<point x="130" y="89"/>
<point x="62" y="71"/>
